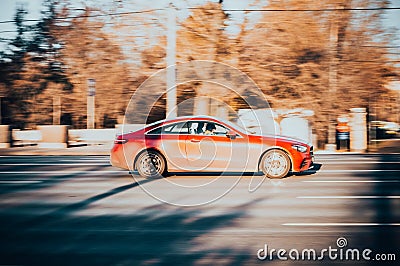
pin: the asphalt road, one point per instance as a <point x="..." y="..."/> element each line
<point x="71" y="210"/>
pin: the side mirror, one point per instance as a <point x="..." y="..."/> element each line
<point x="231" y="134"/>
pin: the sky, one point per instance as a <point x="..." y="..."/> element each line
<point x="7" y="11"/>
<point x="8" y="7"/>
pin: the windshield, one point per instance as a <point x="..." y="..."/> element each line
<point x="238" y="127"/>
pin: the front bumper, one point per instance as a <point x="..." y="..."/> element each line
<point x="306" y="164"/>
<point x="303" y="161"/>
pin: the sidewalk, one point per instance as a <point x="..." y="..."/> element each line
<point x="103" y="149"/>
<point x="389" y="146"/>
<point x="383" y="147"/>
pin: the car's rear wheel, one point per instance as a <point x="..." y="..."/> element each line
<point x="150" y="164"/>
<point x="275" y="164"/>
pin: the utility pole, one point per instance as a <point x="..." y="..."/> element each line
<point x="171" y="61"/>
<point x="91" y="102"/>
<point x="332" y="79"/>
<point x="56" y="110"/>
<point x="1" y="115"/>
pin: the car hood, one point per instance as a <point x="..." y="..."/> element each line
<point x="290" y="139"/>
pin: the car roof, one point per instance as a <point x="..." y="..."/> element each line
<point x="195" y="117"/>
<point x="184" y="118"/>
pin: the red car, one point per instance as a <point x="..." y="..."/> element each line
<point x="203" y="143"/>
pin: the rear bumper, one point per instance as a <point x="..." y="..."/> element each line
<point x="117" y="157"/>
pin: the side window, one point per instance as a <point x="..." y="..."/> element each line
<point x="178" y="128"/>
<point x="206" y="128"/>
<point x="220" y="130"/>
<point x="196" y="128"/>
<point x="156" y="131"/>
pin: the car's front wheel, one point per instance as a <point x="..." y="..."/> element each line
<point x="275" y="164"/>
<point x="150" y="164"/>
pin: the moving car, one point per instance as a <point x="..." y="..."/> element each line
<point x="207" y="144"/>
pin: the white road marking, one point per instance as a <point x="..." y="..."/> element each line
<point x="54" y="164"/>
<point x="356" y="162"/>
<point x="348" y="197"/>
<point x="341" y="224"/>
<point x="63" y="172"/>
<point x="21" y="182"/>
<point x="85" y="160"/>
<point x="357" y="171"/>
<point x="351" y="181"/>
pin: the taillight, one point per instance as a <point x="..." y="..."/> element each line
<point x="120" y="141"/>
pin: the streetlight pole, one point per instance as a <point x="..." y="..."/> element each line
<point x="171" y="61"/>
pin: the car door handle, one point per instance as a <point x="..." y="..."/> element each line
<point x="195" y="140"/>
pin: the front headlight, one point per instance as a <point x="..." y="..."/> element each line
<point x="300" y="148"/>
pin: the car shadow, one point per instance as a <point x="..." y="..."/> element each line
<point x="313" y="170"/>
<point x="213" y="174"/>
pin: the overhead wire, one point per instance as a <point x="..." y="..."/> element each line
<point x="88" y="16"/>
<point x="195" y="8"/>
<point x="202" y="8"/>
<point x="302" y="10"/>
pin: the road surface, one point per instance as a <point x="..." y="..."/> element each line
<point x="71" y="210"/>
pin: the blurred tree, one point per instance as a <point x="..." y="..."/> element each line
<point x="326" y="56"/>
<point x="90" y="53"/>
<point x="11" y="66"/>
<point x="47" y="51"/>
<point x="362" y="54"/>
<point x="202" y="36"/>
<point x="48" y="48"/>
<point x="358" y="55"/>
<point x="32" y="65"/>
<point x="48" y="64"/>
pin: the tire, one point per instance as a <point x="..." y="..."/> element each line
<point x="151" y="164"/>
<point x="275" y="164"/>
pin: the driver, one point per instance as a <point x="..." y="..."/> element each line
<point x="210" y="129"/>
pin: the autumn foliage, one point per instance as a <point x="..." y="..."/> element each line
<point x="327" y="56"/>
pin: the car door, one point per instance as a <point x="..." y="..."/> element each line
<point x="216" y="152"/>
<point x="171" y="141"/>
